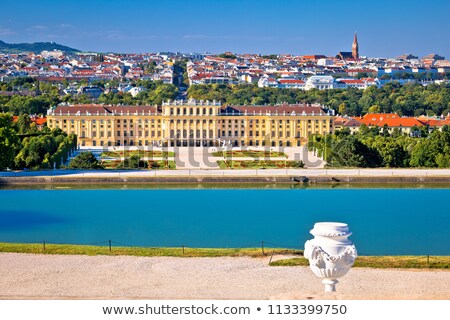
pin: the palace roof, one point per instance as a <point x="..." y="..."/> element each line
<point x="277" y="109"/>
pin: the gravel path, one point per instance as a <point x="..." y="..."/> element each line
<point x="124" y="277"/>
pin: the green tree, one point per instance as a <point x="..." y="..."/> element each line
<point x="85" y="160"/>
<point x="342" y="108"/>
<point x="9" y="142"/>
<point x="23" y="123"/>
<point x="432" y="151"/>
<point x="351" y="152"/>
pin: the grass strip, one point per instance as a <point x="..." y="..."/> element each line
<point x="38" y="248"/>
<point x="379" y="262"/>
<point x="382" y="262"/>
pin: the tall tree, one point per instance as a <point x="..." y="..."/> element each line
<point x="9" y="142"/>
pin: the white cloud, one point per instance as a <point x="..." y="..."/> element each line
<point x="38" y="27"/>
<point x="196" y="36"/>
<point x="6" y="32"/>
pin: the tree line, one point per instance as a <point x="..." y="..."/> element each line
<point x="46" y="95"/>
<point x="375" y="147"/>
<point x="405" y="100"/>
<point x="22" y="146"/>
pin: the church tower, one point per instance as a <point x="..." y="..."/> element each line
<point x="355" y="51"/>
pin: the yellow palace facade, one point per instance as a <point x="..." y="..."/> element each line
<point x="192" y="123"/>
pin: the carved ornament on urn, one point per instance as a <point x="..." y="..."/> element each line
<point x="331" y="254"/>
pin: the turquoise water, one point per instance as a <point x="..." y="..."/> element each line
<point x="383" y="221"/>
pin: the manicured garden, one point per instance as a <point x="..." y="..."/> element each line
<point x="140" y="153"/>
<point x="248" y="153"/>
<point x="259" y="164"/>
<point x="150" y="164"/>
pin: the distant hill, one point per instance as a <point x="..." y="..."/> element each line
<point x="33" y="47"/>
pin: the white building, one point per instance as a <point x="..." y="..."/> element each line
<point x="54" y="54"/>
<point x="325" y="62"/>
<point x="267" y="81"/>
<point x="322" y="83"/>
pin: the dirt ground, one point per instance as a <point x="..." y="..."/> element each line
<point x="28" y="276"/>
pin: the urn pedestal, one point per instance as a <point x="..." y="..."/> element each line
<point x="331" y="254"/>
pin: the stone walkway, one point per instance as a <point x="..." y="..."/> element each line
<point x="34" y="276"/>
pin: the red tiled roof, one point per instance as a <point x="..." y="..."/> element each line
<point x="40" y="121"/>
<point x="37" y="120"/>
<point x="291" y="81"/>
<point x="400" y="122"/>
<point x="372" y="119"/>
<point x="434" y="122"/>
<point x="346" y="121"/>
<point x="351" y="81"/>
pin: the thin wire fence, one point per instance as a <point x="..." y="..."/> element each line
<point x="265" y="246"/>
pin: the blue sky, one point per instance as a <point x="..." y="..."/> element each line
<point x="385" y="28"/>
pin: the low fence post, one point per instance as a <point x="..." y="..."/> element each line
<point x="183" y="249"/>
<point x="44" y="245"/>
<point x="262" y="247"/>
<point x="273" y="251"/>
<point x="109" y="245"/>
<point x="428" y="261"/>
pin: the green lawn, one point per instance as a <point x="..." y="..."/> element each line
<point x="383" y="262"/>
<point x="38" y="248"/>
<point x="258" y="164"/>
<point x="249" y="153"/>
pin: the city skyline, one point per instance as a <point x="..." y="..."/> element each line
<point x="384" y="29"/>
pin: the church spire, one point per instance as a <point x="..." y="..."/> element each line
<point x="355" y="48"/>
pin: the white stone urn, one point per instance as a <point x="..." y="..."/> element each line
<point x="331" y="254"/>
